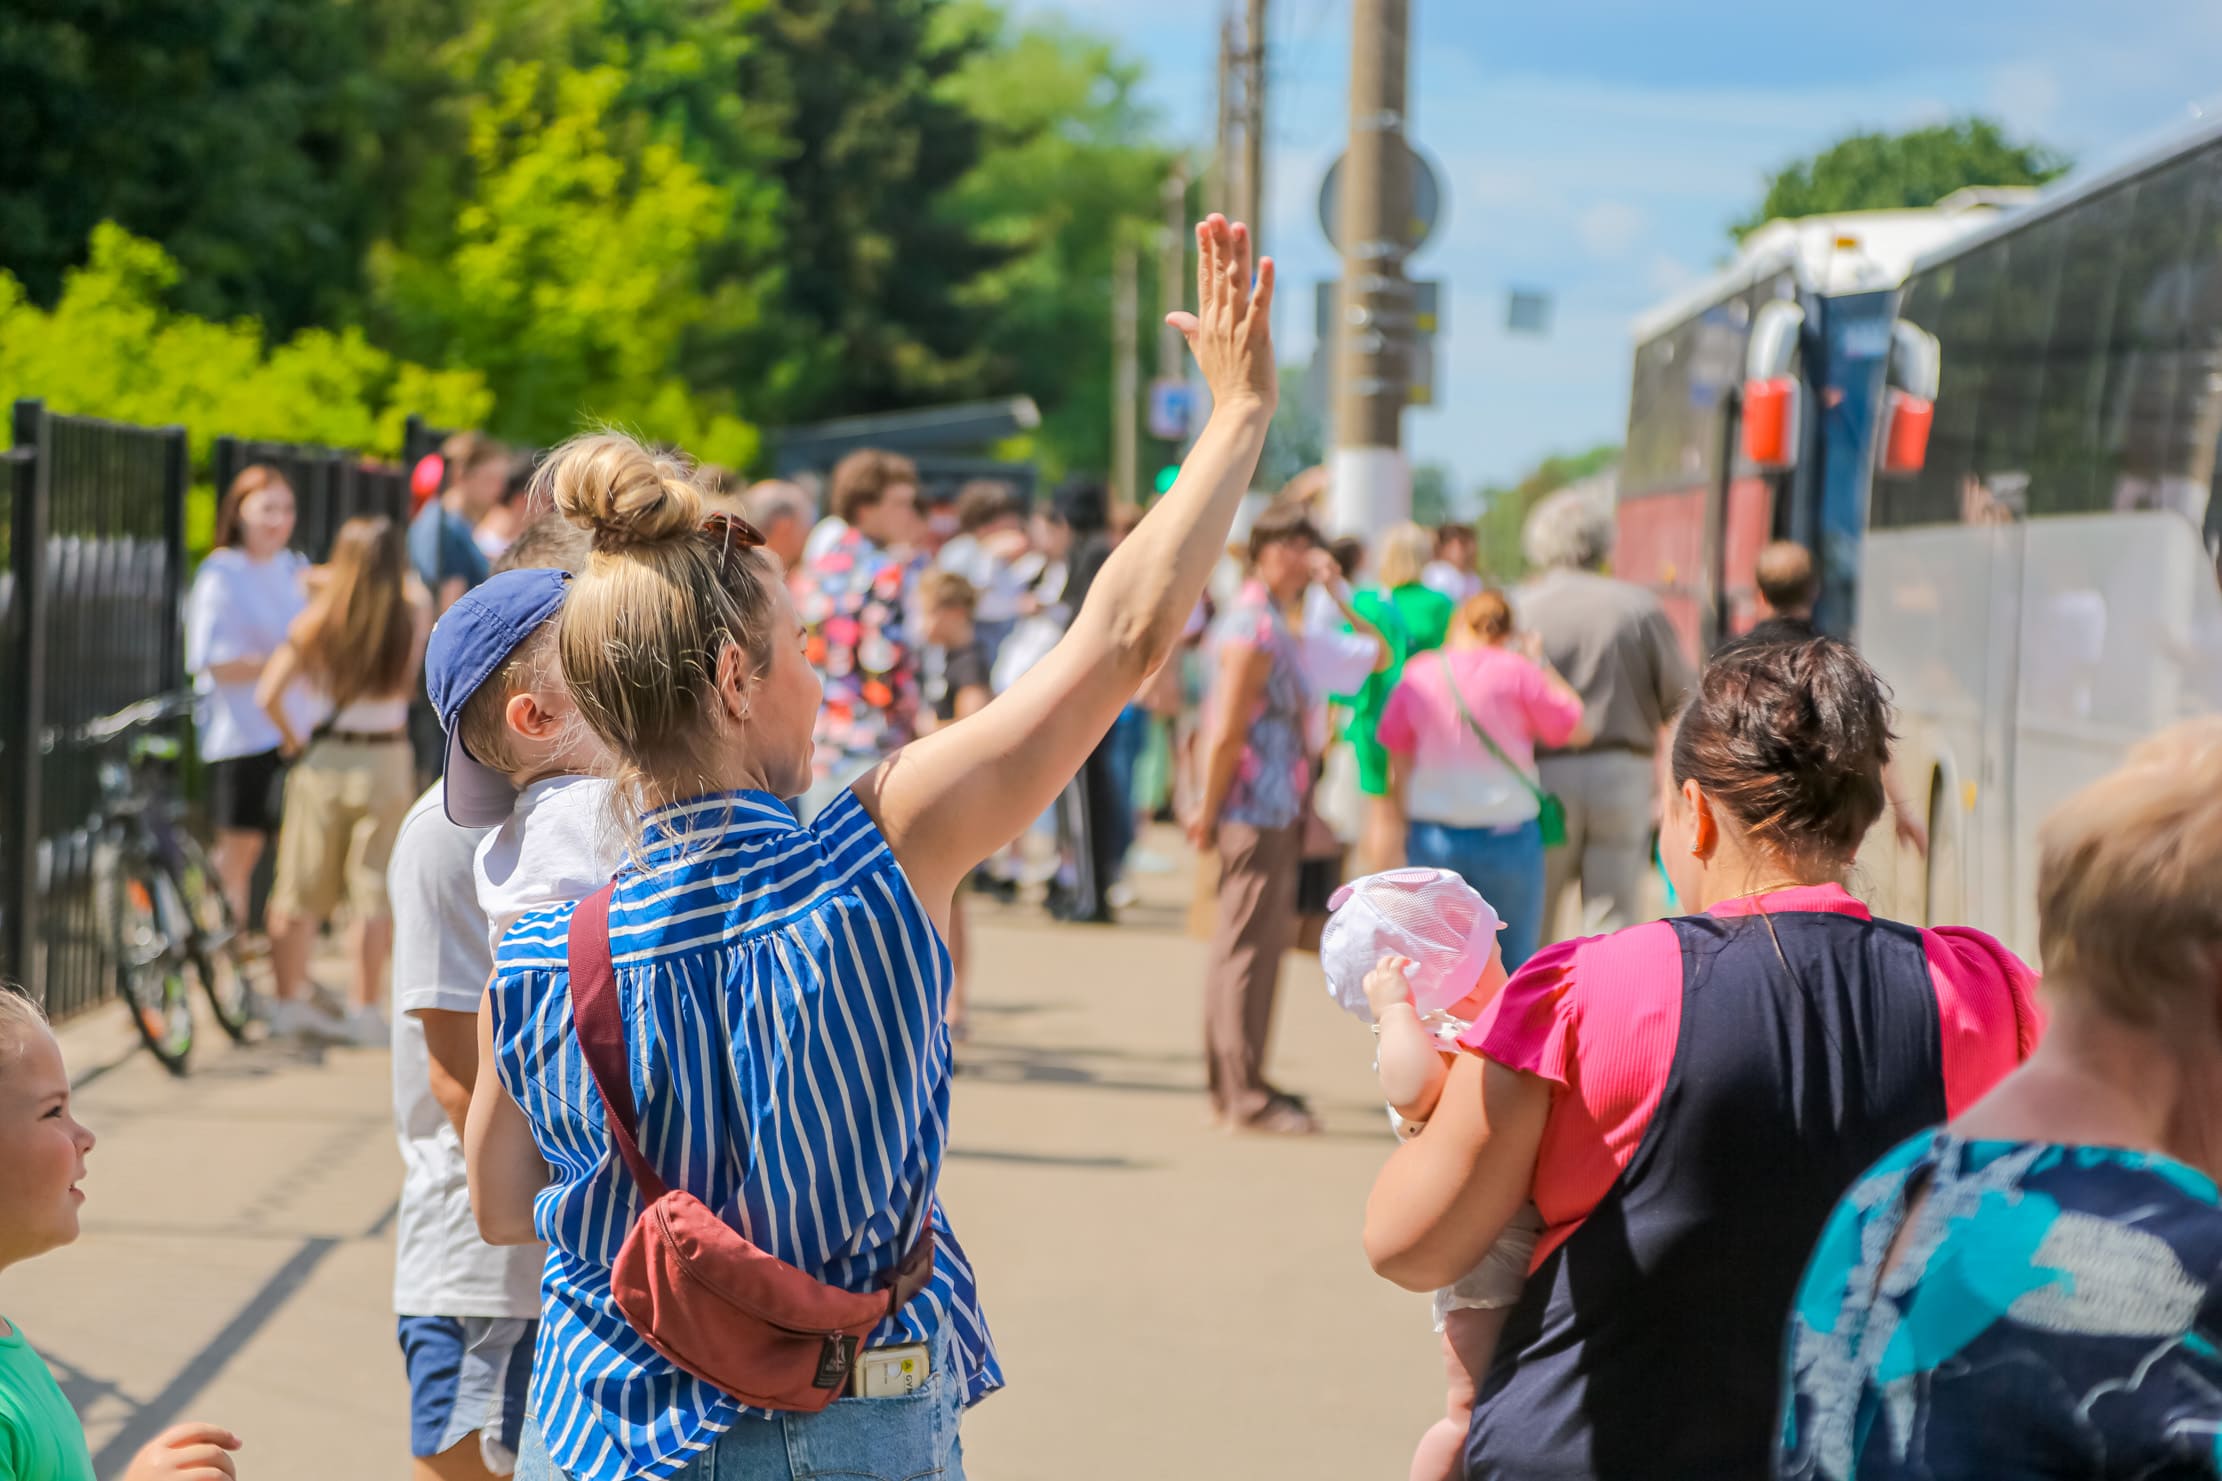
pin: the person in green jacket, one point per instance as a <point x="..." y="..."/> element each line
<point x="42" y="1160"/>
<point x="1414" y="619"/>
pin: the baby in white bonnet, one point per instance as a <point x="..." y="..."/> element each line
<point x="1414" y="952"/>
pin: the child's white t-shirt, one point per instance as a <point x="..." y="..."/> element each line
<point x="560" y="842"/>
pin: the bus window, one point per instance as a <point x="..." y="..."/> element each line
<point x="2063" y="457"/>
<point x="2021" y="322"/>
<point x="2145" y="347"/>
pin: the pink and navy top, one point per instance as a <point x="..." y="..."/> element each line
<point x="1718" y="1081"/>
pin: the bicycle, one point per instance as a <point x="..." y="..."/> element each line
<point x="160" y="909"/>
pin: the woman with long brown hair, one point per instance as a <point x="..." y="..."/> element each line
<point x="245" y="596"/>
<point x="356" y="650"/>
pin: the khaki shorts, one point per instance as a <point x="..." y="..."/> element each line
<point x="344" y="801"/>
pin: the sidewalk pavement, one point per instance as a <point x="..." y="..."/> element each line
<point x="1170" y="1301"/>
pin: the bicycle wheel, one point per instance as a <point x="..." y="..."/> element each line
<point x="151" y="969"/>
<point x="232" y="968"/>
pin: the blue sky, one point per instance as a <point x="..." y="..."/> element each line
<point x="1597" y="149"/>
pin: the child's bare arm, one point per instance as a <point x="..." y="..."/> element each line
<point x="1412" y="1068"/>
<point x="1411" y="1064"/>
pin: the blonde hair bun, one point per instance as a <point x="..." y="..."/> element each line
<point x="624" y="495"/>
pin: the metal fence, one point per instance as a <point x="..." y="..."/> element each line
<point x="329" y="486"/>
<point x="91" y="613"/>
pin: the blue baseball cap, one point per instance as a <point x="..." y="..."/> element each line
<point x="472" y="640"/>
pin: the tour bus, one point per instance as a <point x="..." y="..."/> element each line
<point x="2006" y="464"/>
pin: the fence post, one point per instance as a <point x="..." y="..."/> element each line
<point x="25" y="716"/>
<point x="177" y="484"/>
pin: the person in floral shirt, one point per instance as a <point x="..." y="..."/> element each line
<point x="853" y="598"/>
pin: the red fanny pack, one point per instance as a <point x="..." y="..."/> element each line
<point x="731" y="1314"/>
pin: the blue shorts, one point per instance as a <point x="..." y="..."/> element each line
<point x="467" y="1375"/>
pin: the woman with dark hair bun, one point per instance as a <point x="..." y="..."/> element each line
<point x="1684" y="1100"/>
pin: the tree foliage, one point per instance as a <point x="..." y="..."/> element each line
<point x="1878" y="171"/>
<point x="159" y="366"/>
<point x="1505" y="507"/>
<point x="696" y="218"/>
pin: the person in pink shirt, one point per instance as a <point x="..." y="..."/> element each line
<point x="1461" y="728"/>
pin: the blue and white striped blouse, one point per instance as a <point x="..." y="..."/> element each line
<point x="784" y="994"/>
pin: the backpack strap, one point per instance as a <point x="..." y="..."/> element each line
<point x="601" y="1028"/>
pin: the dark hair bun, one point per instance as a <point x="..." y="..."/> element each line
<point x="1792" y="739"/>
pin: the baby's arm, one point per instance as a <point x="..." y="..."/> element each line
<point x="1411" y="1063"/>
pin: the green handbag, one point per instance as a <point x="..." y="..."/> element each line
<point x="1550" y="815"/>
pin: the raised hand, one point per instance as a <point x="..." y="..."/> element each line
<point x="1231" y="332"/>
<point x="186" y="1452"/>
<point x="1388" y="984"/>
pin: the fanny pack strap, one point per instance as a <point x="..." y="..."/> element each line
<point x="601" y="1026"/>
<point x="1450" y="681"/>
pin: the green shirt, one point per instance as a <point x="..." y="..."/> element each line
<point x="1413" y="619"/>
<point x="40" y="1436"/>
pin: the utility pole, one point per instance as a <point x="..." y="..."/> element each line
<point x="1371" y="484"/>
<point x="1223" y="192"/>
<point x="1253" y="122"/>
<point x="1172" y="270"/>
<point x="1125" y="376"/>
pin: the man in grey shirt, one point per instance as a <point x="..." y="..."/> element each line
<point x="1613" y="643"/>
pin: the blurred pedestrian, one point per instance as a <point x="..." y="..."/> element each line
<point x="1451" y="573"/>
<point x="2031" y="1290"/>
<point x="441" y="549"/>
<point x="988" y="550"/>
<point x="1401" y="565"/>
<point x="43" y="1152"/>
<point x="356" y="650"/>
<point x="1683" y="1100"/>
<point x="1788" y="587"/>
<point x="854" y="601"/>
<point x="245" y="596"/>
<point x="1461" y="731"/>
<point x="507" y="519"/>
<point x="782" y="513"/>
<point x="1614" y="644"/>
<point x="1256" y="794"/>
<point x="956" y="685"/>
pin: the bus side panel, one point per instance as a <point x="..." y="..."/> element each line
<point x="1661" y="546"/>
<point x="1751" y="507"/>
<point x="2121" y="636"/>
<point x="1935" y="605"/>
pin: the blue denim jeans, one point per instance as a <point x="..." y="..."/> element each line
<point x="913" y="1438"/>
<point x="1504" y="864"/>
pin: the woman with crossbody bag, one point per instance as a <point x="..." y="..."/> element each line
<point x="1461" y="729"/>
<point x="720" y="1087"/>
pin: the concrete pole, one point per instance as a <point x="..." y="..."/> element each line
<point x="1253" y="122"/>
<point x="1371" y="482"/>
<point x="1225" y="188"/>
<point x="1172" y="270"/>
<point x="1125" y="374"/>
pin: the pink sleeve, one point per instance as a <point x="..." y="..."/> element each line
<point x="1394" y="729"/>
<point x="1552" y="715"/>
<point x="1988" y="1019"/>
<point x="1599" y="1019"/>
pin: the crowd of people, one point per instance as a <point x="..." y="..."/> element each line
<point x="676" y="949"/>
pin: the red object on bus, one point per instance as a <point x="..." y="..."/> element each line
<point x="1906" y="440"/>
<point x="1771" y="421"/>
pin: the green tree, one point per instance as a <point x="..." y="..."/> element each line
<point x="571" y="278"/>
<point x="870" y="143"/>
<point x="1067" y="171"/>
<point x="1878" y="171"/>
<point x="243" y="136"/>
<point x="1505" y="507"/>
<point x="1432" y="500"/>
